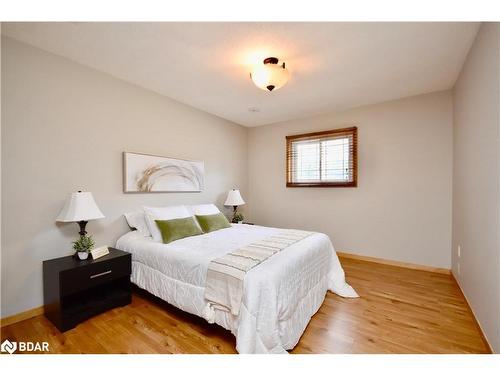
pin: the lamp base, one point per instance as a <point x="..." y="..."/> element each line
<point x="82" y="224"/>
<point x="235" y="210"/>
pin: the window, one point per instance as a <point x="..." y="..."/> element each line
<point x="328" y="158"/>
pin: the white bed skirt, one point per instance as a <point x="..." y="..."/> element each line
<point x="190" y="298"/>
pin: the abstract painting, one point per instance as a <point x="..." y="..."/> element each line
<point x="144" y="173"/>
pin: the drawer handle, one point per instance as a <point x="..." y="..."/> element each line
<point x="100" y="274"/>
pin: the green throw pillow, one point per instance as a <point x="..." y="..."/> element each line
<point x="176" y="229"/>
<point x="209" y="223"/>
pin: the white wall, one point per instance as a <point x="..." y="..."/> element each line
<point x="401" y="209"/>
<point x="64" y="127"/>
<point x="476" y="180"/>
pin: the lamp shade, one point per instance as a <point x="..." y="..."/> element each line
<point x="80" y="206"/>
<point x="234" y="198"/>
<point x="270" y="76"/>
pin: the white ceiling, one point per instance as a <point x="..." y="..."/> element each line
<point x="333" y="66"/>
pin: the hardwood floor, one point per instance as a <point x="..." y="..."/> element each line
<point x="400" y="311"/>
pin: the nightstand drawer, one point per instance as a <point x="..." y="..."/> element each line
<point x="92" y="275"/>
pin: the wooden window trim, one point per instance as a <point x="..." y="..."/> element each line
<point x="288" y="160"/>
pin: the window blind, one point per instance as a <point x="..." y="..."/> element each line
<point x="324" y="159"/>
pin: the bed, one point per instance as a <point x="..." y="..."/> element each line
<point x="280" y="295"/>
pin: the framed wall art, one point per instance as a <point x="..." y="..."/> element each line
<point x="143" y="173"/>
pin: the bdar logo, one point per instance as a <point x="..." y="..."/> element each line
<point x="9" y="347"/>
<point x="24" y="346"/>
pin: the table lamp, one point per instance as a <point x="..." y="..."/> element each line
<point x="234" y="199"/>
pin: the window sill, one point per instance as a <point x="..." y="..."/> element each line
<point x="321" y="184"/>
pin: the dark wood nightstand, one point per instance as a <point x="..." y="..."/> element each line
<point x="74" y="290"/>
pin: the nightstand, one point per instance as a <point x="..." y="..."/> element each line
<point x="75" y="290"/>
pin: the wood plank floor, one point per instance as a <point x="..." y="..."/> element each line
<point x="400" y="311"/>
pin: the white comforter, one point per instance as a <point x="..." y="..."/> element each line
<point x="280" y="295"/>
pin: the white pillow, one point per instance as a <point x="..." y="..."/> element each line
<point x="204" y="209"/>
<point x="137" y="220"/>
<point x="163" y="213"/>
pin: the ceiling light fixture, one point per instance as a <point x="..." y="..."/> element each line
<point x="270" y="76"/>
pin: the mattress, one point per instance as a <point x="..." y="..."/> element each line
<point x="279" y="296"/>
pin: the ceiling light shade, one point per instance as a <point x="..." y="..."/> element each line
<point x="270" y="76"/>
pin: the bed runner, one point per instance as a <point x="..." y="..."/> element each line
<point x="225" y="275"/>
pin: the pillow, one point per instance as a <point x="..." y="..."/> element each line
<point x="137" y="221"/>
<point x="204" y="209"/>
<point x="163" y="213"/>
<point x="176" y="229"/>
<point x="209" y="223"/>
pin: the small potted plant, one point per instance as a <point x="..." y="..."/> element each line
<point x="238" y="218"/>
<point x="83" y="245"/>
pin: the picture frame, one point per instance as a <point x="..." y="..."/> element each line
<point x="146" y="173"/>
